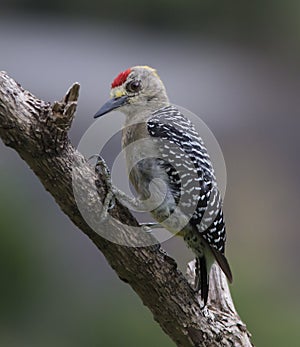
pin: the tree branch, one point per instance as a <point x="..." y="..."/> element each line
<point x="38" y="131"/>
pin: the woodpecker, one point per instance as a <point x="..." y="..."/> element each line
<point x="170" y="168"/>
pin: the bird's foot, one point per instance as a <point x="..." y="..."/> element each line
<point x="101" y="169"/>
<point x="108" y="204"/>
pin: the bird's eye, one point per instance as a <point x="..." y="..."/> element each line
<point x="133" y="86"/>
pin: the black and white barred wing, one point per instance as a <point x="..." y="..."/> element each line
<point x="191" y="175"/>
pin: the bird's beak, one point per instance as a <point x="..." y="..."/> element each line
<point x="111" y="104"/>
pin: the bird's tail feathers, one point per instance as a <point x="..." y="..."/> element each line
<point x="223" y="263"/>
<point x="201" y="278"/>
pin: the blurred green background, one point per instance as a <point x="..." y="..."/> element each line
<point x="234" y="63"/>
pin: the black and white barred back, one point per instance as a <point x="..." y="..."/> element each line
<point x="192" y="179"/>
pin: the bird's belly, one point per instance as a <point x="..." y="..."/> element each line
<point x="159" y="200"/>
<point x="151" y="182"/>
<point x="142" y="166"/>
<point x="174" y="221"/>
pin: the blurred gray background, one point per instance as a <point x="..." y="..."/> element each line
<point x="236" y="64"/>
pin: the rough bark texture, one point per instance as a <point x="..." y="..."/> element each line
<point x="38" y="131"/>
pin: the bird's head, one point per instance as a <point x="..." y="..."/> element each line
<point x="135" y="90"/>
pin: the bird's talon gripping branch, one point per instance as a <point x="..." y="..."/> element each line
<point x="101" y="166"/>
<point x="107" y="205"/>
<point x="112" y="202"/>
<point x="113" y="192"/>
<point x="109" y="201"/>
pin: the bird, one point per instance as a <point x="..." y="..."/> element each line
<point x="170" y="169"/>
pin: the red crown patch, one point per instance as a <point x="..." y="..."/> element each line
<point x="121" y="78"/>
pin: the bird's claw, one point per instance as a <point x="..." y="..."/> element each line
<point x="101" y="166"/>
<point x="109" y="201"/>
<point x="112" y="202"/>
<point x="108" y="204"/>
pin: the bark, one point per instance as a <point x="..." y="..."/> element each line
<point x="38" y="131"/>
